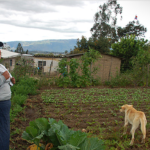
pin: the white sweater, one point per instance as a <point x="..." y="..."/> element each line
<point x="5" y="92"/>
<point x="2" y="70"/>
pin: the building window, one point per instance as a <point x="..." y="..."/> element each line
<point x="44" y="63"/>
<point x="40" y="63"/>
<point x="10" y="62"/>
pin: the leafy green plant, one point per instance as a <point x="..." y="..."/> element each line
<point x="18" y="99"/>
<point x="16" y="109"/>
<point x="87" y="59"/>
<point x="59" y="134"/>
<point x="63" y="81"/>
<point x="73" y="78"/>
<point x="25" y="86"/>
<point x="20" y="91"/>
<point x="48" y="98"/>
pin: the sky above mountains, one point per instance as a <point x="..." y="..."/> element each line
<point x="33" y="20"/>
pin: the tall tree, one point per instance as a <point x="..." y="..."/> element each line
<point x="19" y="49"/>
<point x="105" y="20"/>
<point x="132" y="28"/>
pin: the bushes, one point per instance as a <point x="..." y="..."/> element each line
<point x="25" y="86"/>
<point x="73" y="78"/>
<point x="18" y="99"/>
<point x="138" y="75"/>
<point x="23" y="67"/>
<point x="127" y="48"/>
<point x="20" y="92"/>
<point x="135" y="77"/>
<point x="121" y="80"/>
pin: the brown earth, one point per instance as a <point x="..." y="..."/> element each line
<point x="90" y="117"/>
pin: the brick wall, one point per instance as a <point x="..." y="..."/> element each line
<point x="108" y="66"/>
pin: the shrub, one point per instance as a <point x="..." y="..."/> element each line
<point x="18" y="99"/>
<point x="25" y="86"/>
<point x="123" y="80"/>
<point x="73" y="78"/>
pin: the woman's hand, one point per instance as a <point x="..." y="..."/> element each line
<point x="13" y="80"/>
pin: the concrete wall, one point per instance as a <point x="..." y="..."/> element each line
<point x="48" y="62"/>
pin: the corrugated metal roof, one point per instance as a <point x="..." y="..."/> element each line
<point x="8" y="54"/>
<point x="28" y="55"/>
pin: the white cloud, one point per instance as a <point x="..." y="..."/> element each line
<point x="59" y="19"/>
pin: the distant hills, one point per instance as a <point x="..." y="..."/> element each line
<point x="45" y="45"/>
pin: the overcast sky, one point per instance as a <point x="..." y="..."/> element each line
<point x="32" y="20"/>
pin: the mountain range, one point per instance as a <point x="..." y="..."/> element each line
<point x="60" y="45"/>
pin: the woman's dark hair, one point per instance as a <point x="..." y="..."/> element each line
<point x="1" y="44"/>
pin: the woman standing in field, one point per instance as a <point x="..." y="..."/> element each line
<point x="5" y="104"/>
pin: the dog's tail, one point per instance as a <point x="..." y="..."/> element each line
<point x="143" y="125"/>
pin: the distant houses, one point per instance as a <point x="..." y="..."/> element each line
<point x="108" y="65"/>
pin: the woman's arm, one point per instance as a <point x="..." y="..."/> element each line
<point x="4" y="77"/>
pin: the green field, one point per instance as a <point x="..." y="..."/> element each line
<point x="94" y="109"/>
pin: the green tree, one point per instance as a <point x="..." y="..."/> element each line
<point x="106" y="23"/>
<point x="127" y="48"/>
<point x="101" y="44"/>
<point x="105" y="20"/>
<point x="132" y="28"/>
<point x="82" y="45"/>
<point x="27" y="51"/>
<point x="19" y="49"/>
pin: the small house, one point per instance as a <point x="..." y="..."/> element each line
<point x="9" y="58"/>
<point x="107" y="66"/>
<point x="47" y="64"/>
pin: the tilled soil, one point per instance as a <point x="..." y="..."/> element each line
<point x="92" y="116"/>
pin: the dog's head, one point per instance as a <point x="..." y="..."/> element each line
<point x="124" y="107"/>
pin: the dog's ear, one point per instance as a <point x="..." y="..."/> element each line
<point x="123" y="107"/>
<point x="131" y="105"/>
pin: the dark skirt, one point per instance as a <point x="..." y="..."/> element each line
<point x="4" y="124"/>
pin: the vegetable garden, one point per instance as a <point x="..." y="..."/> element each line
<point x="95" y="109"/>
<point x="55" y="111"/>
